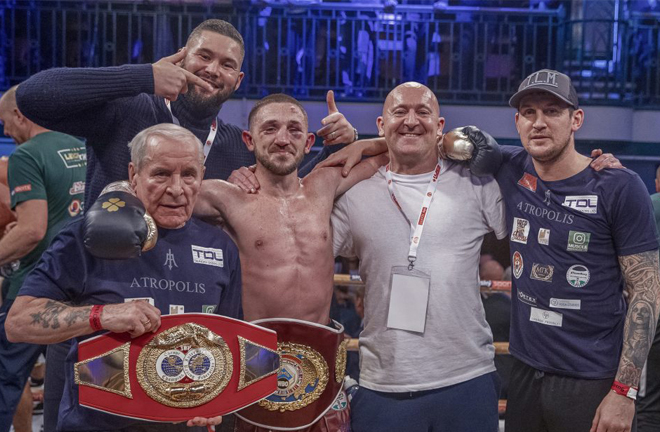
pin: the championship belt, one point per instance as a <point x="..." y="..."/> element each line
<point x="194" y="365"/>
<point x="311" y="375"/>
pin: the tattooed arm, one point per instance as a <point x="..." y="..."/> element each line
<point x="45" y="321"/>
<point x="642" y="284"/>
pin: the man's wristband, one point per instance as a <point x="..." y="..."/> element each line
<point x="95" y="317"/>
<point x="624" y="390"/>
<point x="355" y="135"/>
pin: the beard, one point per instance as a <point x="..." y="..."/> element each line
<point x="205" y="104"/>
<point x="552" y="154"/>
<point x="281" y="169"/>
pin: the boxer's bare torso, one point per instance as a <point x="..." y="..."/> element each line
<point x="283" y="231"/>
<point x="285" y="239"/>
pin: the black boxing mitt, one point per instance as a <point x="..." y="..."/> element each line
<point x="471" y="143"/>
<point x="118" y="227"/>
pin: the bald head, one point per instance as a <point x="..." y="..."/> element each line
<point x="14" y="123"/>
<point x="8" y="99"/>
<point x="411" y="125"/>
<point x="409" y="90"/>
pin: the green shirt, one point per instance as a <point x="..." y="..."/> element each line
<point x="655" y="199"/>
<point x="51" y="166"/>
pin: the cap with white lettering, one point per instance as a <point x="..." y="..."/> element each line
<point x="550" y="81"/>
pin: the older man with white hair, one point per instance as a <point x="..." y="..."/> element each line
<point x="72" y="294"/>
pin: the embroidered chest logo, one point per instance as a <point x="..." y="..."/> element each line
<point x="73" y="157"/>
<point x="544" y="236"/>
<point x="517" y="264"/>
<point x="578" y="241"/>
<point x="578" y="276"/>
<point x="583" y="203"/>
<point x="207" y="256"/>
<point x="548" y="198"/>
<point x="169" y="260"/>
<point x="520" y="230"/>
<point x="528" y="181"/>
<point x="542" y="272"/>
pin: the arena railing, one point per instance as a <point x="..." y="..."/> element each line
<point x="467" y="55"/>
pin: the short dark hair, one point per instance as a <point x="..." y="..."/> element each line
<point x="221" y="27"/>
<point x="271" y="99"/>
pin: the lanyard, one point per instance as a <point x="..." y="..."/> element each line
<point x="428" y="197"/>
<point x="212" y="132"/>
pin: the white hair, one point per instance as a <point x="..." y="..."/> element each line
<point x="138" y="145"/>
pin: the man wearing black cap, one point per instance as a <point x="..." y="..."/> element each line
<point x="586" y="287"/>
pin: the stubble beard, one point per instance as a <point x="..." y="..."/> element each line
<point x="552" y="155"/>
<point x="275" y="168"/>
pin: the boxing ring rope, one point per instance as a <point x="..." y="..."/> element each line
<point x="487" y="286"/>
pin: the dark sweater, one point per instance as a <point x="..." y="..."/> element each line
<point x="109" y="106"/>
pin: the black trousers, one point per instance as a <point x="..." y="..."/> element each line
<point x="545" y="402"/>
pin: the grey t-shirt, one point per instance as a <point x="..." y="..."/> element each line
<point x="456" y="345"/>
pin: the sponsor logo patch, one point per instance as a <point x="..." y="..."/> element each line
<point x="542" y="272"/>
<point x="578" y="276"/>
<point x="517" y="264"/>
<point x="169" y="260"/>
<point x="73" y="157"/>
<point x="548" y="198"/>
<point x="113" y="204"/>
<point x="340" y="403"/>
<point x="149" y="299"/>
<point x="75" y="208"/>
<point x="207" y="256"/>
<point x="528" y="181"/>
<point x="578" y="241"/>
<point x="208" y="309"/>
<point x="526" y="298"/>
<point x="520" y="230"/>
<point x="583" y="203"/>
<point x="77" y="188"/>
<point x="565" y="303"/>
<point x="546" y="317"/>
<point x="22" y="188"/>
<point x="544" y="236"/>
<point x="176" y="309"/>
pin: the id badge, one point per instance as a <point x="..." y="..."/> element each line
<point x="409" y="299"/>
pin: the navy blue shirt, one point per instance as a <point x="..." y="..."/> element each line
<point x="568" y="308"/>
<point x="192" y="269"/>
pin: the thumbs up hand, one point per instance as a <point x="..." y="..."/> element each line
<point x="336" y="129"/>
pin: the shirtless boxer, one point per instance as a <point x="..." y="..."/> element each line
<point x="283" y="232"/>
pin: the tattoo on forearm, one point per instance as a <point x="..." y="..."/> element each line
<point x="49" y="316"/>
<point x="76" y="315"/>
<point x="642" y="283"/>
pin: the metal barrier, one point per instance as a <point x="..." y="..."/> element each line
<point x="465" y="54"/>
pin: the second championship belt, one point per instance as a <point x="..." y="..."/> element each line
<point x="311" y="375"/>
<point x="195" y="365"/>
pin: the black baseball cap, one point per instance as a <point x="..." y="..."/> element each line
<point x="547" y="80"/>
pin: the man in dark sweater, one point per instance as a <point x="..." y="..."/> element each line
<point x="109" y="106"/>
